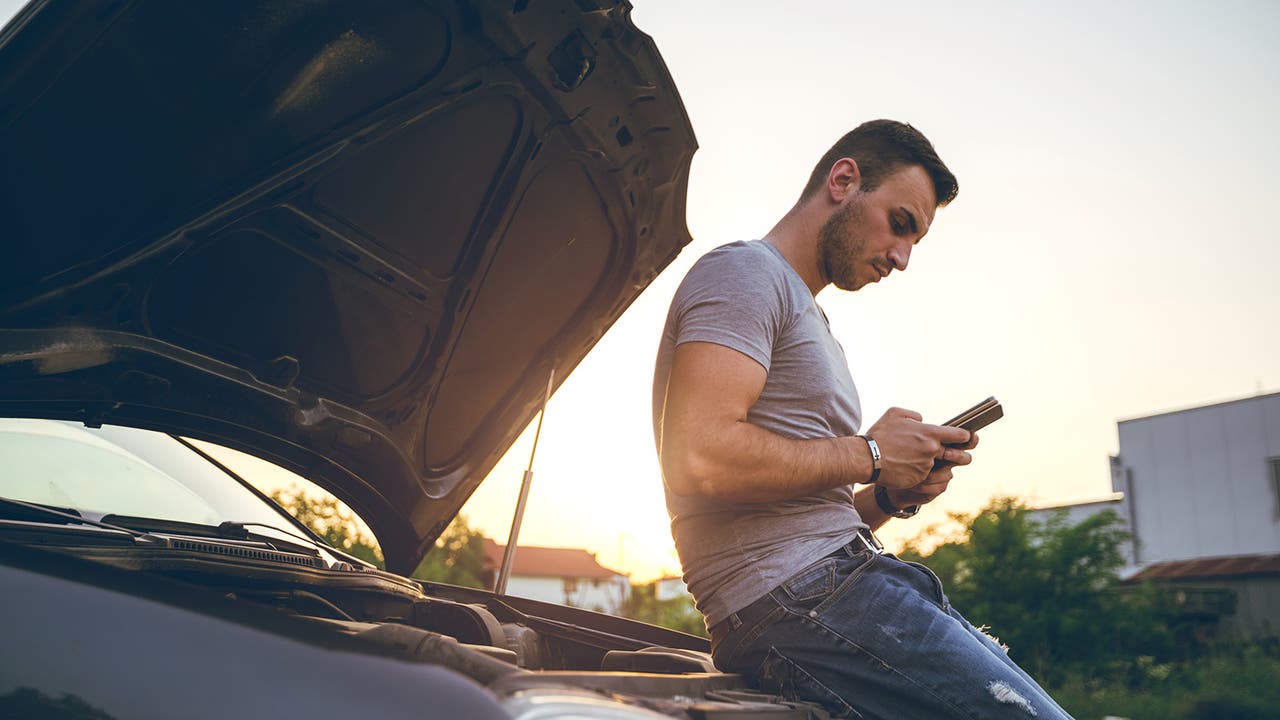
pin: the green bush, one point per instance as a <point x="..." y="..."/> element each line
<point x="1050" y="591"/>
<point x="1239" y="684"/>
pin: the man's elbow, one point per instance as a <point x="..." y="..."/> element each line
<point x="688" y="473"/>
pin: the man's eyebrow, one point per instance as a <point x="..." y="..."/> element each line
<point x="911" y="219"/>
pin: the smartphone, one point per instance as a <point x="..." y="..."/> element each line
<point x="978" y="416"/>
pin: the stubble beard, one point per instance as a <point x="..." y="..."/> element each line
<point x="840" y="246"/>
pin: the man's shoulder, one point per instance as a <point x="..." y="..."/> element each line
<point x="758" y="249"/>
<point x="753" y="258"/>
<point x="749" y="276"/>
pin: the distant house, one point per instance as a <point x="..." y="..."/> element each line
<point x="669" y="588"/>
<point x="1199" y="490"/>
<point x="566" y="576"/>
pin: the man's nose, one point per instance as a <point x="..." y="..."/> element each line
<point x="900" y="255"/>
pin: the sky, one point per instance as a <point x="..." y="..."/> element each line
<point x="1112" y="252"/>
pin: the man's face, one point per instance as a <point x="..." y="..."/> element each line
<point x="872" y="233"/>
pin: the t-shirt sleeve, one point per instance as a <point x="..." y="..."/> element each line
<point x="735" y="298"/>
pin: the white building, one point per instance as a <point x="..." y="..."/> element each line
<point x="565" y="576"/>
<point x="1203" y="482"/>
<point x="1199" y="489"/>
<point x="670" y="588"/>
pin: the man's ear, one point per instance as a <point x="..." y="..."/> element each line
<point x="844" y="179"/>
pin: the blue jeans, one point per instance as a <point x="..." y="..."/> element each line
<point x="872" y="636"/>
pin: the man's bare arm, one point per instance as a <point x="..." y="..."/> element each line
<point x="709" y="448"/>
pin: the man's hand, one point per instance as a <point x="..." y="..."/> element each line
<point x="909" y="449"/>
<point x="936" y="482"/>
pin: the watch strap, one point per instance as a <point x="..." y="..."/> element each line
<point x="886" y="505"/>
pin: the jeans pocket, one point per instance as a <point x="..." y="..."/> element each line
<point x="933" y="580"/>
<point x="778" y="674"/>
<point x="819" y="584"/>
<point x="815" y="581"/>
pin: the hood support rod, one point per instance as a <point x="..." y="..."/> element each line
<point x="509" y="554"/>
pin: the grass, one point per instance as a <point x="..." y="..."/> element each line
<point x="1242" y="684"/>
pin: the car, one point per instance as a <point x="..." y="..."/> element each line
<point x="358" y="241"/>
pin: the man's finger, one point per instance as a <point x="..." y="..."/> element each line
<point x="948" y="435"/>
<point x="955" y="456"/>
<point x="918" y="495"/>
<point x="936" y="486"/>
<point x="903" y="412"/>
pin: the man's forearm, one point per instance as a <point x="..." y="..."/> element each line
<point x="747" y="463"/>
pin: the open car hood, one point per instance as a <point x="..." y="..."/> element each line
<point x="352" y="238"/>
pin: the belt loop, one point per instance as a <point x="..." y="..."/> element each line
<point x="735" y="622"/>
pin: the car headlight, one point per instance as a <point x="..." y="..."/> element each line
<point x="571" y="704"/>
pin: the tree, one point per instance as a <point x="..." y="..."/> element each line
<point x="333" y="521"/>
<point x="676" y="613"/>
<point x="1050" y="591"/>
<point x="457" y="558"/>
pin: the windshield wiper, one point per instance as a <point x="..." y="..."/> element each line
<point x="165" y="533"/>
<point x="141" y="528"/>
<point x="35" y="512"/>
<point x="351" y="561"/>
<point x="226" y="531"/>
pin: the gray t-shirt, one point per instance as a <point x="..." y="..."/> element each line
<point x="745" y="296"/>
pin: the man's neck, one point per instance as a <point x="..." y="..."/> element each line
<point x="796" y="237"/>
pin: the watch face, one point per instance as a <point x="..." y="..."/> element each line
<point x="908" y="511"/>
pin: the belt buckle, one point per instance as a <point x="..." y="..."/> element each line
<point x="869" y="540"/>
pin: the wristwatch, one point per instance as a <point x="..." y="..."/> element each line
<point x="882" y="499"/>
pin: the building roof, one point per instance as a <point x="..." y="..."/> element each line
<point x="531" y="561"/>
<point x="1193" y="408"/>
<point x="1113" y="498"/>
<point x="1212" y="567"/>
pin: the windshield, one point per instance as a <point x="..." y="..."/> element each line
<point x="122" y="471"/>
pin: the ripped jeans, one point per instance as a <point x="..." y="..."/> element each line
<point x="872" y="636"/>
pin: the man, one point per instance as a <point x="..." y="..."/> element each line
<point x="756" y="419"/>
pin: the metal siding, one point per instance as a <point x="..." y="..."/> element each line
<point x="1169" y="486"/>
<point x="1246" y="462"/>
<point x="1135" y="453"/>
<point x="1271" y="424"/>
<point x="1271" y="439"/>
<point x="1208" y="497"/>
<point x="1201" y="481"/>
<point x="1257" y="608"/>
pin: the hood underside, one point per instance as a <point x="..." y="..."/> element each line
<point x="352" y="238"/>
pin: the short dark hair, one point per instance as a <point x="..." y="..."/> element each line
<point x="881" y="147"/>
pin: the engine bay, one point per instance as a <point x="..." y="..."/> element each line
<point x="526" y="652"/>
